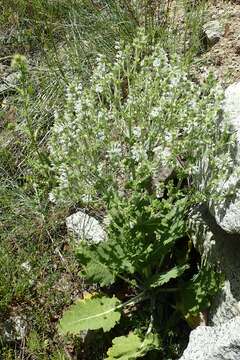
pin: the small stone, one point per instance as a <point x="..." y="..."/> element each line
<point x="26" y="266"/>
<point x="213" y="31"/>
<point x="8" y="82"/>
<point x="85" y="227"/>
<point x="237" y="48"/>
<point x="14" y="328"/>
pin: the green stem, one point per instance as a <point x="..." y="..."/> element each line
<point x="138" y="298"/>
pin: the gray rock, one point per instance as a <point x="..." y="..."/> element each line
<point x="221" y="340"/>
<point x="8" y="82"/>
<point x="227" y="212"/>
<point x="85" y="227"/>
<point x="26" y="266"/>
<point x="232" y="100"/>
<point x="213" y="30"/>
<point x="215" y="343"/>
<point x="14" y="328"/>
<point x="216" y="235"/>
<point x="222" y="249"/>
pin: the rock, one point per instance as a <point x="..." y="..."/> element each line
<point x="8" y="82"/>
<point x="232" y="100"/>
<point x="237" y="48"/>
<point x="213" y="31"/>
<point x="227" y="212"/>
<point x="85" y="227"/>
<point x="26" y="266"/>
<point x="14" y="328"/>
<point x="219" y="248"/>
<point x="215" y="343"/>
<point x="216" y="235"/>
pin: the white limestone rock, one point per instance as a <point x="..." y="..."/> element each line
<point x="215" y="343"/>
<point x="220" y="249"/>
<point x="85" y="227"/>
<point x="216" y="235"/>
<point x="227" y="213"/>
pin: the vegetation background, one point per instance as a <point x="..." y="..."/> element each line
<point x="61" y="40"/>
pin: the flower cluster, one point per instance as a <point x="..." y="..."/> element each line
<point x="109" y="131"/>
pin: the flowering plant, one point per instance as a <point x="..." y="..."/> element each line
<point x="132" y="141"/>
<point x="140" y="116"/>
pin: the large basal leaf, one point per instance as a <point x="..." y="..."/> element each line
<point x="91" y="314"/>
<point x="132" y="346"/>
<point x="161" y="279"/>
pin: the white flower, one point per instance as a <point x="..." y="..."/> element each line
<point x="100" y="135"/>
<point x="99" y="88"/>
<point x="168" y="136"/>
<point x="162" y="153"/>
<point x="58" y="129"/>
<point x="100" y="58"/>
<point x="130" y="100"/>
<point x="157" y="62"/>
<point x="79" y="88"/>
<point x="166" y="155"/>
<point x="69" y="95"/>
<point x="155" y="112"/>
<point x="100" y="169"/>
<point x="116" y="150"/>
<point x="56" y="114"/>
<point x="136" y="131"/>
<point x="193" y="104"/>
<point x="101" y="67"/>
<point x="119" y="55"/>
<point x="78" y="106"/>
<point x="138" y="153"/>
<point x="174" y="81"/>
<point x="117" y="45"/>
<point x="52" y="198"/>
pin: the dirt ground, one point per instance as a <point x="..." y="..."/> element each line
<point x="223" y="58"/>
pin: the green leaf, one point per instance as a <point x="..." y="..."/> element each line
<point x="99" y="273"/>
<point x="132" y="346"/>
<point x="91" y="314"/>
<point x="94" y="269"/>
<point x="159" y="280"/>
<point x="196" y="295"/>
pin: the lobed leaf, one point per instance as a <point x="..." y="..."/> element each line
<point x="99" y="273"/>
<point x="161" y="279"/>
